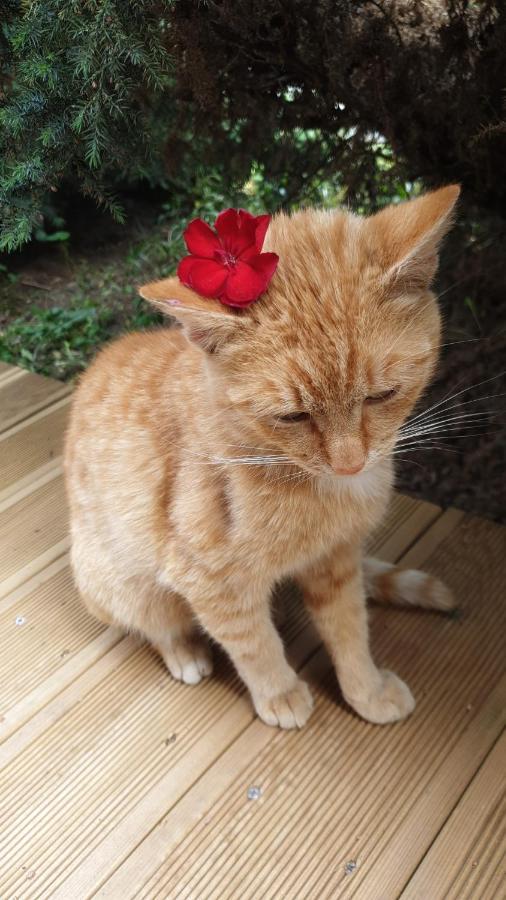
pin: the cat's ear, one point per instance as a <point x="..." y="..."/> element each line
<point x="408" y="235"/>
<point x="207" y="323"/>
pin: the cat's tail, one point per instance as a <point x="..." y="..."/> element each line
<point x="386" y="583"/>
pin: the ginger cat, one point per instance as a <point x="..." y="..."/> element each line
<point x="205" y="463"/>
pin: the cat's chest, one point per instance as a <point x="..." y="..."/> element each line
<point x="291" y="529"/>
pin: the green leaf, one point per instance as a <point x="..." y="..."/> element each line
<point x="41" y="235"/>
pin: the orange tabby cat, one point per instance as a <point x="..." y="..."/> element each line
<point x="204" y="464"/>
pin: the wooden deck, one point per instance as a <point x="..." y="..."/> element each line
<point x="117" y="782"/>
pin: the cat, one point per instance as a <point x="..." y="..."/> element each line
<point x="207" y="462"/>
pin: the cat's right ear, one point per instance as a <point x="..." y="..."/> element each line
<point x="207" y="323"/>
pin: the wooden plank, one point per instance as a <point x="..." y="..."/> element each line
<point x="430" y="541"/>
<point x="467" y="860"/>
<point x="409" y="519"/>
<point x="96" y="767"/>
<point x="33" y="532"/>
<point x="347" y="808"/>
<point x="31" y="447"/>
<point x="7" y="371"/>
<point x="47" y="638"/>
<point x="22" y="396"/>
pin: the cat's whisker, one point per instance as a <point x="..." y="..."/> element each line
<point x="253" y="460"/>
<point x="472" y="428"/>
<point x="453" y="437"/>
<point x="427" y="442"/>
<point x="425" y="447"/>
<point x="455" y="410"/>
<point x="298" y="477"/>
<point x="465" y="341"/>
<point x="462" y="403"/>
<point x="450" y="420"/>
<point x="443" y="418"/>
<point x="450" y="425"/>
<point x="414" y="462"/>
<point x="451" y="430"/>
<point x="451" y="397"/>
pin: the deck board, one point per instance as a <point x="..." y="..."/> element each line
<point x="139" y="703"/>
<point x="116" y="781"/>
<point x="45" y="605"/>
<point x="467" y="859"/>
<point x="312" y="819"/>
<point x="28" y="449"/>
<point x="6" y="369"/>
<point x="24" y="394"/>
<point x="33" y="531"/>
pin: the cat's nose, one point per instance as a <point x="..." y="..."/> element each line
<point x="350" y="470"/>
<point x="347" y="455"/>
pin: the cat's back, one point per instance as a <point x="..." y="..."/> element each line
<point x="127" y="380"/>
<point x="124" y="422"/>
<point x="140" y="359"/>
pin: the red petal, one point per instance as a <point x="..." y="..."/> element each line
<point x="265" y="264"/>
<point x="201" y="239"/>
<point x="205" y="276"/>
<point x="236" y="230"/>
<point x="262" y="224"/>
<point x="244" y="284"/>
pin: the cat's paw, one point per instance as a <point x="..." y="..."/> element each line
<point x="290" y="709"/>
<point x="387" y="701"/>
<point x="188" y="660"/>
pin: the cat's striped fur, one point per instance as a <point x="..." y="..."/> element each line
<point x="191" y="495"/>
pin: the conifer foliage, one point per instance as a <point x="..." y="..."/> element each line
<point x="83" y="84"/>
<point x="371" y="93"/>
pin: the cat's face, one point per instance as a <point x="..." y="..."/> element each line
<point x="325" y="368"/>
<point x="330" y="399"/>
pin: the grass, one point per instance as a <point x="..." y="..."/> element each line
<point x="95" y="301"/>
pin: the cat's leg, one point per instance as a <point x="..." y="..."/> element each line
<point x="334" y="594"/>
<point x="240" y="620"/>
<point x="172" y="629"/>
<point x="163" y="617"/>
<point x="386" y="583"/>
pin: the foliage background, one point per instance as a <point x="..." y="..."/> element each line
<point x="121" y="119"/>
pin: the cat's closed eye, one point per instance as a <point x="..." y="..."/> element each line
<point x="294" y="417"/>
<point x="384" y="395"/>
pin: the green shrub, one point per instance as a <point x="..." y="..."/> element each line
<point x="55" y="341"/>
<point x="364" y="96"/>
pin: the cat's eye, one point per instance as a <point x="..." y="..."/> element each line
<point x="294" y="417"/>
<point x="380" y="398"/>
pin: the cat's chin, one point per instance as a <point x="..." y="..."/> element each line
<point x="370" y="480"/>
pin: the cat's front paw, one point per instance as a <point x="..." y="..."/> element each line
<point x="188" y="660"/>
<point x="388" y="700"/>
<point x="290" y="709"/>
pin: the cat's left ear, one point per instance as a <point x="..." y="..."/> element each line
<point x="408" y="235"/>
<point x="207" y="323"/>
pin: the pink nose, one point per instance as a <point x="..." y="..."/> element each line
<point x="351" y="470"/>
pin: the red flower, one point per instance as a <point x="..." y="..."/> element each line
<point x="228" y="265"/>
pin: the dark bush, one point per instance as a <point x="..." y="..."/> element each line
<point x="368" y="93"/>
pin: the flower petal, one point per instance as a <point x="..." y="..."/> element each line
<point x="205" y="276"/>
<point x="261" y="226"/>
<point x="265" y="264"/>
<point x="236" y="230"/>
<point x="201" y="239"/>
<point x="244" y="284"/>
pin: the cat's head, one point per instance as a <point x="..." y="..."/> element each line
<point x="326" y="366"/>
